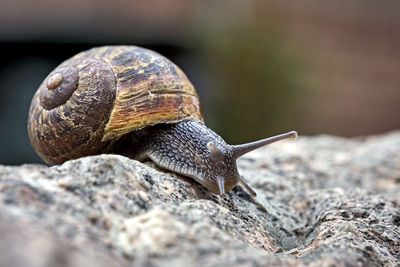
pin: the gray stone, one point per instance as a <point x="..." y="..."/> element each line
<point x="321" y="201"/>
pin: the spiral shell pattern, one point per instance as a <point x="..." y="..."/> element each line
<point x="97" y="96"/>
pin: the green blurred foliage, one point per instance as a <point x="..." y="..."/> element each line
<point x="258" y="80"/>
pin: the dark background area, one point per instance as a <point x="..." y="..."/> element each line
<point x="260" y="67"/>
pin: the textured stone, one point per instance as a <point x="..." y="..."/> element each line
<point x="321" y="200"/>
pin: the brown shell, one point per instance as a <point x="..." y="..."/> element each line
<point x="99" y="95"/>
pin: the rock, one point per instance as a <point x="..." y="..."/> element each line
<point x="321" y="201"/>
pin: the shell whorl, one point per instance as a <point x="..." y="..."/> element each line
<point x="95" y="97"/>
<point x="68" y="120"/>
<point x="60" y="86"/>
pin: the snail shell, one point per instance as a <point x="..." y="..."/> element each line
<point x="96" y="97"/>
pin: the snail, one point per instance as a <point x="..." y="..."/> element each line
<point x="132" y="101"/>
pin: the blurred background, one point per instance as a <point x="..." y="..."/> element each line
<point x="261" y="67"/>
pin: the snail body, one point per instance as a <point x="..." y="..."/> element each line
<point x="135" y="102"/>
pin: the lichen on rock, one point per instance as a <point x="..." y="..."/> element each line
<point x="321" y="200"/>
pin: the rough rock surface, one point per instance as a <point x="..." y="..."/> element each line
<point x="321" y="201"/>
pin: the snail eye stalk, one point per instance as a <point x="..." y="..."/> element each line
<point x="240" y="150"/>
